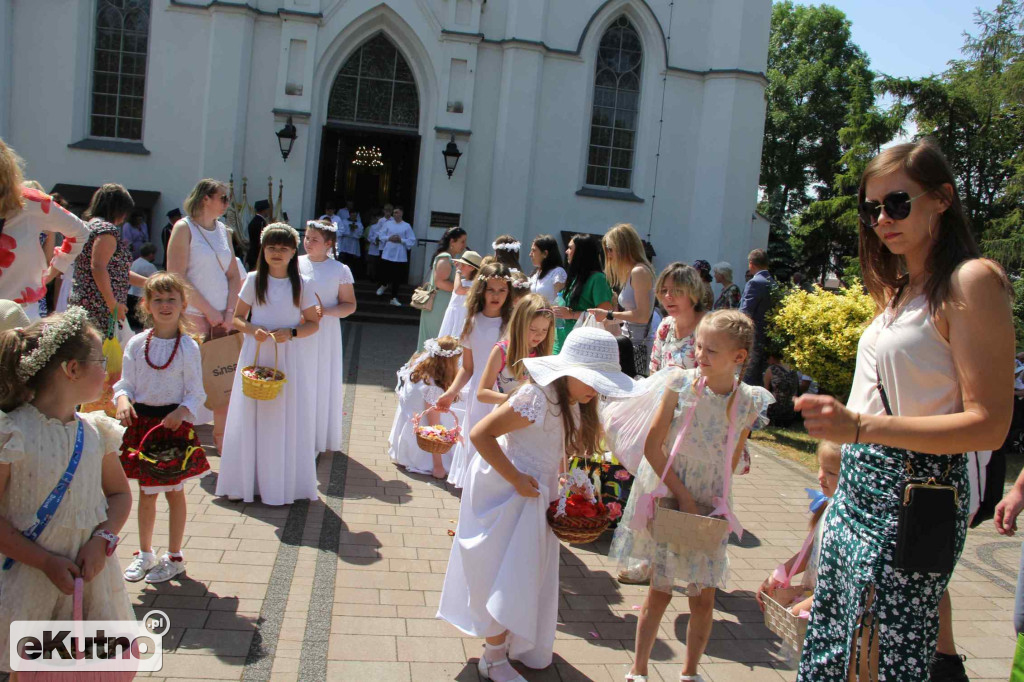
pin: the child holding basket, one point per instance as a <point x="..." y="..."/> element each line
<point x="695" y="440"/>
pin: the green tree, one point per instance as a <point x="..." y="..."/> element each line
<point x="814" y="72"/>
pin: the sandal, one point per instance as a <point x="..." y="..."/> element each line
<point x="484" y="667"/>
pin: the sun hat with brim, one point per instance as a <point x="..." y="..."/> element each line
<point x="470" y="258"/>
<point x="590" y="355"/>
<point x="12" y="315"/>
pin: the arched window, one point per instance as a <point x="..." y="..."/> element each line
<point x="616" y="101"/>
<point x="119" y="68"/>
<point x="375" y="87"/>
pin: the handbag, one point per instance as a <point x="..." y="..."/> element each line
<point x="49" y="507"/>
<point x="423" y="296"/>
<point x="926" y="523"/>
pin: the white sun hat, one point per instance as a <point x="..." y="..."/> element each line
<point x="590" y="355"/>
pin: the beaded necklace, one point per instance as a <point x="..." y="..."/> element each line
<point x="177" y="342"/>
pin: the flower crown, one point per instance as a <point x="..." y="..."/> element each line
<point x="520" y="283"/>
<point x="281" y="226"/>
<point x="432" y="348"/>
<point x="53" y="337"/>
<point x="511" y="246"/>
<point x="325" y="225"/>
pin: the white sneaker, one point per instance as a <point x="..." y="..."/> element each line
<point x="142" y="564"/>
<point x="166" y="569"/>
<point x="395" y="302"/>
<point x="380" y="291"/>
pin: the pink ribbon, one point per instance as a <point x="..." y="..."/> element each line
<point x="782" y="577"/>
<point x="647" y="503"/>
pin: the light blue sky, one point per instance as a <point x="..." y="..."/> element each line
<point x="911" y="38"/>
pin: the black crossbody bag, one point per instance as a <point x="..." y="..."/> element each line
<point x="926" y="525"/>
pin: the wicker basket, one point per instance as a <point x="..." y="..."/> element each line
<point x="689" y="531"/>
<point x="777" y="618"/>
<point x="577" y="530"/>
<point x="434" y="447"/>
<point x="262" y="389"/>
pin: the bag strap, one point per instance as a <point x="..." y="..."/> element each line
<point x="49" y="507"/>
<point x="216" y="255"/>
<point x="502" y="346"/>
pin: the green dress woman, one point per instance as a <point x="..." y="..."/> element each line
<point x="442" y="277"/>
<point x="587" y="287"/>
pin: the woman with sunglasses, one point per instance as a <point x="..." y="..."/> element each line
<point x="200" y="252"/>
<point x="934" y="379"/>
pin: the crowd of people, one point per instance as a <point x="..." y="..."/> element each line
<point x="541" y="371"/>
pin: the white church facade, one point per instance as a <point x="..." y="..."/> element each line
<point x="570" y="115"/>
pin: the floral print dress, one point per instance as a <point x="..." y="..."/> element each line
<point x="84" y="291"/>
<point x="671" y="351"/>
<point x="729" y="298"/>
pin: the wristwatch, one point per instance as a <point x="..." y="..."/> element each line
<point x="295" y="332"/>
<point x="611" y="315"/>
<point x="111" y="539"/>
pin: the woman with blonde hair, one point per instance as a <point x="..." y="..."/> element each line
<point x="200" y="252"/>
<point x="25" y="213"/>
<point x="630" y="273"/>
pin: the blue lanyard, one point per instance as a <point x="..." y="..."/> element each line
<point x="56" y="496"/>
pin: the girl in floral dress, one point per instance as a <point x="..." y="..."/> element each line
<point x="158" y="397"/>
<point x="680" y="291"/>
<point x="46" y="369"/>
<point x="714" y="413"/>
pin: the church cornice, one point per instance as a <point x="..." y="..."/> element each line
<point x="465" y="36"/>
<point x="245" y="7"/>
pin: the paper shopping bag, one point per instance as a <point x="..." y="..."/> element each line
<point x="220" y="358"/>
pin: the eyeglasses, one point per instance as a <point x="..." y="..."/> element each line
<point x="222" y="198"/>
<point x="896" y="205"/>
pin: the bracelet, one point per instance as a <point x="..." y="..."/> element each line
<point x="856" y="437"/>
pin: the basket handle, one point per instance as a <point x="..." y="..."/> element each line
<point x="143" y="441"/>
<point x="256" y="358"/>
<point x="433" y="408"/>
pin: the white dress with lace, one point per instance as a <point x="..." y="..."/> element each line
<point x="38" y="450"/>
<point x="700" y="466"/>
<point x="403" y="449"/>
<point x="503" y="569"/>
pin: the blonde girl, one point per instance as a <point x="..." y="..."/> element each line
<point x="421" y="381"/>
<point x="488" y="310"/>
<point x="630" y="273"/>
<point x="46" y="369"/>
<point x="270" y="445"/>
<point x="530" y="334"/>
<point x="158" y="397"/>
<point x="717" y="412"/>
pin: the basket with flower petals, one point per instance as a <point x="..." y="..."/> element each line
<point x="259" y="382"/>
<point x="577" y="516"/>
<point x="435" y="438"/>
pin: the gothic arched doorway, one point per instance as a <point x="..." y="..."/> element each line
<point x="369" y="151"/>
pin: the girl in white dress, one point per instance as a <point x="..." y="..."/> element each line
<point x="158" y="396"/>
<point x="46" y="369"/>
<point x="712" y="413"/>
<point x="531" y="334"/>
<point x="488" y="309"/>
<point x="502" y="577"/>
<point x="421" y="381"/>
<point x="270" y="445"/>
<point x="332" y="281"/>
<point x="548" y="276"/>
<point x="454" y="320"/>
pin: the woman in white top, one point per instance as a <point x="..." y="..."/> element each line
<point x="200" y="251"/>
<point x="548" y="276"/>
<point x="934" y="379"/>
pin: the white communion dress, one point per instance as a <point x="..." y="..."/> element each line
<point x="270" y="445"/>
<point x="413" y="398"/>
<point x="38" y="450"/>
<point x="454" y="317"/>
<point x="503" y="569"/>
<point x="486" y="331"/>
<point x="324" y="349"/>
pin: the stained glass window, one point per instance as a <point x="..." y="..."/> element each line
<point x="375" y="87"/>
<point x="119" y="68"/>
<point x="616" y="103"/>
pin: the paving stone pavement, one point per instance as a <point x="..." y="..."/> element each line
<point x="346" y="588"/>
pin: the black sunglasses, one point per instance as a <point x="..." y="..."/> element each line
<point x="896" y="205"/>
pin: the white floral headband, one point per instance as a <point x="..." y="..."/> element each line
<point x="53" y="337"/>
<point x="325" y="225"/>
<point x="521" y="283"/>
<point x="281" y="226"/>
<point x="511" y="246"/>
<point x="432" y="348"/>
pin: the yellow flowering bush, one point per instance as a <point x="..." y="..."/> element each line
<point x="818" y="333"/>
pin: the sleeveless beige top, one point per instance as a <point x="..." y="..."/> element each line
<point x="914" y="360"/>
